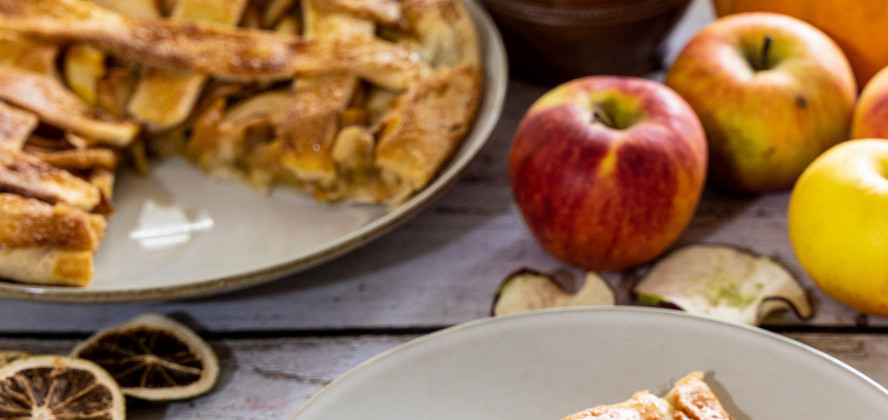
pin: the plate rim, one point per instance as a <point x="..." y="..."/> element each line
<point x="496" y="86"/>
<point x="483" y="322"/>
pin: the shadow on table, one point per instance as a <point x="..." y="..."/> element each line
<point x="144" y="410"/>
<point x="717" y="208"/>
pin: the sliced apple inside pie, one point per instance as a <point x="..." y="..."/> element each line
<point x="348" y="100"/>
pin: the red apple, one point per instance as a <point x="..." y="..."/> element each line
<point x="608" y="171"/>
<point x="772" y="92"/>
<point x="871" y="114"/>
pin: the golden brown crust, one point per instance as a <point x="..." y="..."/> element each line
<point x="164" y="98"/>
<point x="26" y="222"/>
<point x="313" y="118"/>
<point x="27" y="53"/>
<point x="445" y="34"/>
<point x="338" y="133"/>
<point x="40" y="265"/>
<point x="103" y="179"/>
<point x="235" y="54"/>
<point x="15" y="126"/>
<point x="78" y="159"/>
<point x="424" y="126"/>
<point x="55" y="104"/>
<point x="29" y="176"/>
<point x="689" y="399"/>
<point x="642" y="406"/>
<point x="693" y="397"/>
<point x="383" y="11"/>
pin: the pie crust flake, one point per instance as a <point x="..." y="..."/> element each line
<point x="689" y="399"/>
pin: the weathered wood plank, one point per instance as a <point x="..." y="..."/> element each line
<point x="270" y="378"/>
<point x="259" y="379"/>
<point x="866" y="353"/>
<point x="442" y="267"/>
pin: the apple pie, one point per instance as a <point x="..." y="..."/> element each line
<point x="689" y="399"/>
<point x="347" y="100"/>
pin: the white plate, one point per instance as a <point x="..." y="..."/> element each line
<point x="178" y="233"/>
<point x="546" y="365"/>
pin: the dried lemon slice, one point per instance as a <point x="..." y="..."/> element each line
<point x="56" y="387"/>
<point x="7" y="356"/>
<point x="153" y="358"/>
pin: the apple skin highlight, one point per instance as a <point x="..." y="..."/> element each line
<point x="871" y="113"/>
<point x="765" y="125"/>
<point x="607" y="198"/>
<point x="837" y="224"/>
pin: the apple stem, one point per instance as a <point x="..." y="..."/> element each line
<point x="602" y="117"/>
<point x="766" y="47"/>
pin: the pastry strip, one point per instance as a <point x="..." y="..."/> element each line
<point x="56" y="105"/>
<point x="45" y="244"/>
<point x="28" y="222"/>
<point x="16" y="126"/>
<point x="79" y="159"/>
<point x="312" y="120"/>
<point x="227" y="53"/>
<point x="164" y="98"/>
<point x="26" y="175"/>
<point x="384" y="11"/>
<point x="27" y="53"/>
<point x="137" y="8"/>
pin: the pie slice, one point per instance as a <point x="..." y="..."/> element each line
<point x="44" y="243"/>
<point x="51" y="221"/>
<point x="29" y="176"/>
<point x="689" y="399"/>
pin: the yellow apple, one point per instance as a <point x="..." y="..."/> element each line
<point x="838" y="224"/>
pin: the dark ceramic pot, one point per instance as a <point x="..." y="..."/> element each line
<point x="558" y="40"/>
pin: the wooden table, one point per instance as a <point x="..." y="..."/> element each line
<point x="281" y="342"/>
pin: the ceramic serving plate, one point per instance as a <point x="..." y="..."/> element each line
<point x="178" y="233"/>
<point x="546" y="365"/>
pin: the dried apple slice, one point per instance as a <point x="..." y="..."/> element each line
<point x="527" y="290"/>
<point x="723" y="282"/>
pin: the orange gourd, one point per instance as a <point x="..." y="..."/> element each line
<point x="860" y="27"/>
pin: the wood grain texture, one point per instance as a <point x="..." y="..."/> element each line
<point x="259" y="379"/>
<point x="439" y="269"/>
<point x="442" y="267"/>
<point x="271" y="378"/>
